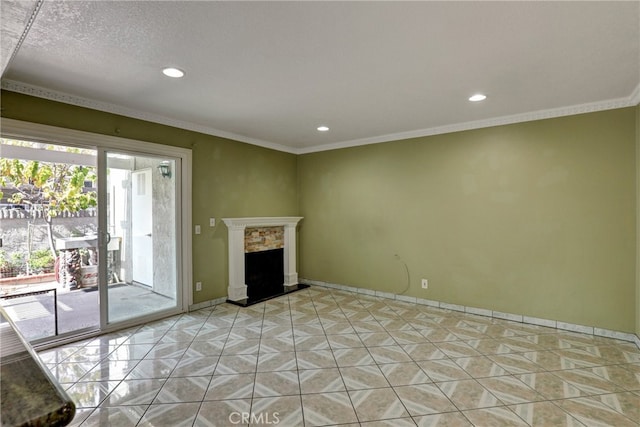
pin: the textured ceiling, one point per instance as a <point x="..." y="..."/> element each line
<point x="269" y="73"/>
<point x="15" y="18"/>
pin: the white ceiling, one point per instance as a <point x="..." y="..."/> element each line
<point x="269" y="73"/>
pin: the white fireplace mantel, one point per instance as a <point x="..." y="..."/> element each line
<point x="237" y="289"/>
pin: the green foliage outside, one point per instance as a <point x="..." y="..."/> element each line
<point x="49" y="189"/>
<point x="13" y="264"/>
<point x="41" y="261"/>
<point x="53" y="188"/>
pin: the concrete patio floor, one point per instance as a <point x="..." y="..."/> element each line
<point x="79" y="308"/>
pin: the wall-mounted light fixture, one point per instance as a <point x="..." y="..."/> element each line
<point x="165" y="169"/>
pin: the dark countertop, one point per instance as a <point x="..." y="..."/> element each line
<point x="29" y="394"/>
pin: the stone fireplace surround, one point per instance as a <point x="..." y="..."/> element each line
<point x="237" y="290"/>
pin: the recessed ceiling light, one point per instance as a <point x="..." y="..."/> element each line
<point x="477" y="97"/>
<point x="323" y="128"/>
<point x="173" y="72"/>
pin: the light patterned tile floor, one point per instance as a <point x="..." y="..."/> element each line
<point x="321" y="357"/>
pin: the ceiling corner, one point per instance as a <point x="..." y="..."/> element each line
<point x="17" y="17"/>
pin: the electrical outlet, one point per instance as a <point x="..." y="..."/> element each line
<point x="198" y="286"/>
<point x="197" y="229"/>
<point x="425" y="284"/>
<point x="212" y="222"/>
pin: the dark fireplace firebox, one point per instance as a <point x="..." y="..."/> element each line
<point x="264" y="274"/>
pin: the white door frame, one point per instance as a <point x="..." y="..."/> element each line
<point x="18" y="129"/>
<point x="141" y="228"/>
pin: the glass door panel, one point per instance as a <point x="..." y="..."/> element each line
<point x="48" y="280"/>
<point x="141" y="236"/>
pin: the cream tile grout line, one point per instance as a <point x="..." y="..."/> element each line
<point x="173" y="369"/>
<point x="208" y="303"/>
<point x="484" y="312"/>
<point x="338" y="368"/>
<point x="607" y="333"/>
<point x="377" y="364"/>
<point x="148" y="407"/>
<point x="261" y="311"/>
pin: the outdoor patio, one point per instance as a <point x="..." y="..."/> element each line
<point x="34" y="315"/>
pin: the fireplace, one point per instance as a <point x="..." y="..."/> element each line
<point x="264" y="273"/>
<point x="262" y="258"/>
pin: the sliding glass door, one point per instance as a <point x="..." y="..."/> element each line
<point x="140" y="236"/>
<point x="121" y="257"/>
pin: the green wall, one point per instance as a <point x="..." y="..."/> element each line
<point x="230" y="178"/>
<point x="536" y="218"/>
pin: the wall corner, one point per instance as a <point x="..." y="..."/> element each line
<point x="638" y="222"/>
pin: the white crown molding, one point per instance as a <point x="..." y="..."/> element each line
<point x="632" y="100"/>
<point x="40" y="92"/>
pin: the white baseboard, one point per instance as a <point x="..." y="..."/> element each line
<point x="556" y="324"/>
